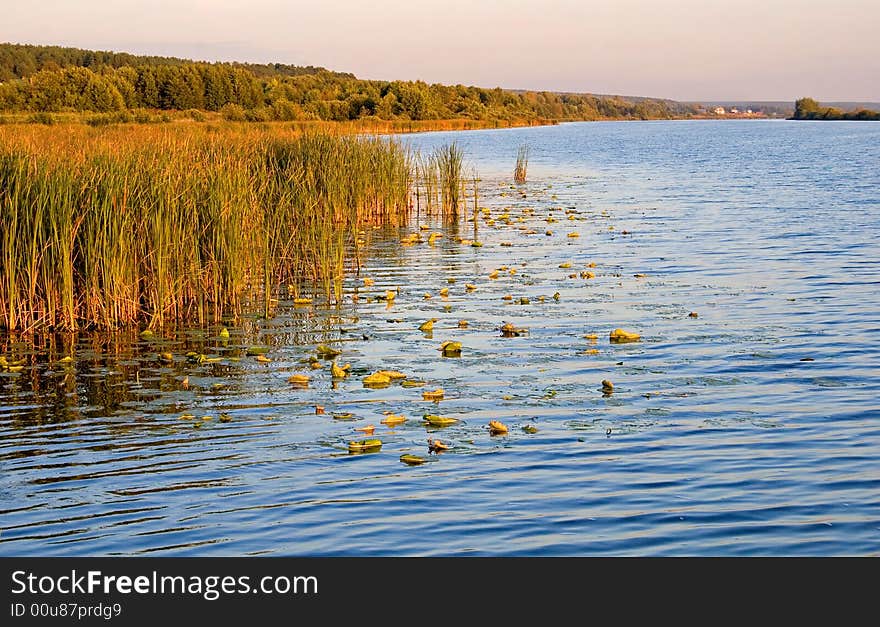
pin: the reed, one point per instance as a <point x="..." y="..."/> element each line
<point x="117" y="226"/>
<point x="522" y="164"/>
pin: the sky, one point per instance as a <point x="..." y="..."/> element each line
<point x="700" y="50"/>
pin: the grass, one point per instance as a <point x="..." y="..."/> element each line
<point x="522" y="164"/>
<point x="115" y="226"/>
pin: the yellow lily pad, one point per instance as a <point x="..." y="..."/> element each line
<point x="392" y="374"/>
<point x="621" y="336"/>
<point x="450" y="349"/>
<point x="299" y="380"/>
<point x="412" y="460"/>
<point x="497" y="428"/>
<point x="434" y="395"/>
<point x="428" y="325"/>
<point x="439" y="421"/>
<point x="362" y="446"/>
<point x="377" y="379"/>
<point x="327" y="352"/>
<point x="339" y="372"/>
<point x="392" y="420"/>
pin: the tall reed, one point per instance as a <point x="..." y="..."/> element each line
<point x="522" y="164"/>
<point x="112" y="227"/>
<point x="440" y="181"/>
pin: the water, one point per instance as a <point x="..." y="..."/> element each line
<point x="752" y="429"/>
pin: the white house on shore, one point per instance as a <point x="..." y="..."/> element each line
<point x="718" y="111"/>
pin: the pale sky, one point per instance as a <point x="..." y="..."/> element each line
<point x="680" y="49"/>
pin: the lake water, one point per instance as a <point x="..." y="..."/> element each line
<point x="752" y="429"/>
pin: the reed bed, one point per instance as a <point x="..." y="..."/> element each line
<point x="135" y="225"/>
<point x="440" y="182"/>
<point x="522" y="164"/>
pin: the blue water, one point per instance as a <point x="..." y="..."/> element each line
<point x="751" y="429"/>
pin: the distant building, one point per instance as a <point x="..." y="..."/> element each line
<point x="734" y="110"/>
<point x="718" y="110"/>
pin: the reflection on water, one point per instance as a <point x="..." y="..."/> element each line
<point x="749" y="429"/>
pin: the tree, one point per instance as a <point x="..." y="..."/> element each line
<point x="805" y="108"/>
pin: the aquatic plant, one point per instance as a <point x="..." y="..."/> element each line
<point x="148" y="225"/>
<point x="522" y="164"/>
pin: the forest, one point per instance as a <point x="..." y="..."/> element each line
<point x="49" y="79"/>
<point x="809" y="109"/>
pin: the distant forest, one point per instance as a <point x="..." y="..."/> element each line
<point x="809" y="109"/>
<point x="56" y="79"/>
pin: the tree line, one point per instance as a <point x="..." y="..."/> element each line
<point x="809" y="109"/>
<point x="53" y="79"/>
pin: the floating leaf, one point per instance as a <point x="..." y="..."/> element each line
<point x="436" y="446"/>
<point x="263" y="359"/>
<point x="412" y="383"/>
<point x="567" y="264"/>
<point x="450" y="349"/>
<point x="147" y="334"/>
<point x="302" y="301"/>
<point x="368" y="430"/>
<point x="428" y="325"/>
<point x="497" y="428"/>
<point x="392" y="374"/>
<point x="412" y="460"/>
<point x="327" y="352"/>
<point x="343" y="415"/>
<point x="253" y="351"/>
<point x="439" y="421"/>
<point x="470" y="287"/>
<point x="392" y="420"/>
<point x="299" y="380"/>
<point x="435" y="395"/>
<point x="363" y="446"/>
<point x="377" y="379"/>
<point x="339" y="372"/>
<point x="530" y="429"/>
<point x="224" y="333"/>
<point x="509" y="330"/>
<point x="621" y="336"/>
